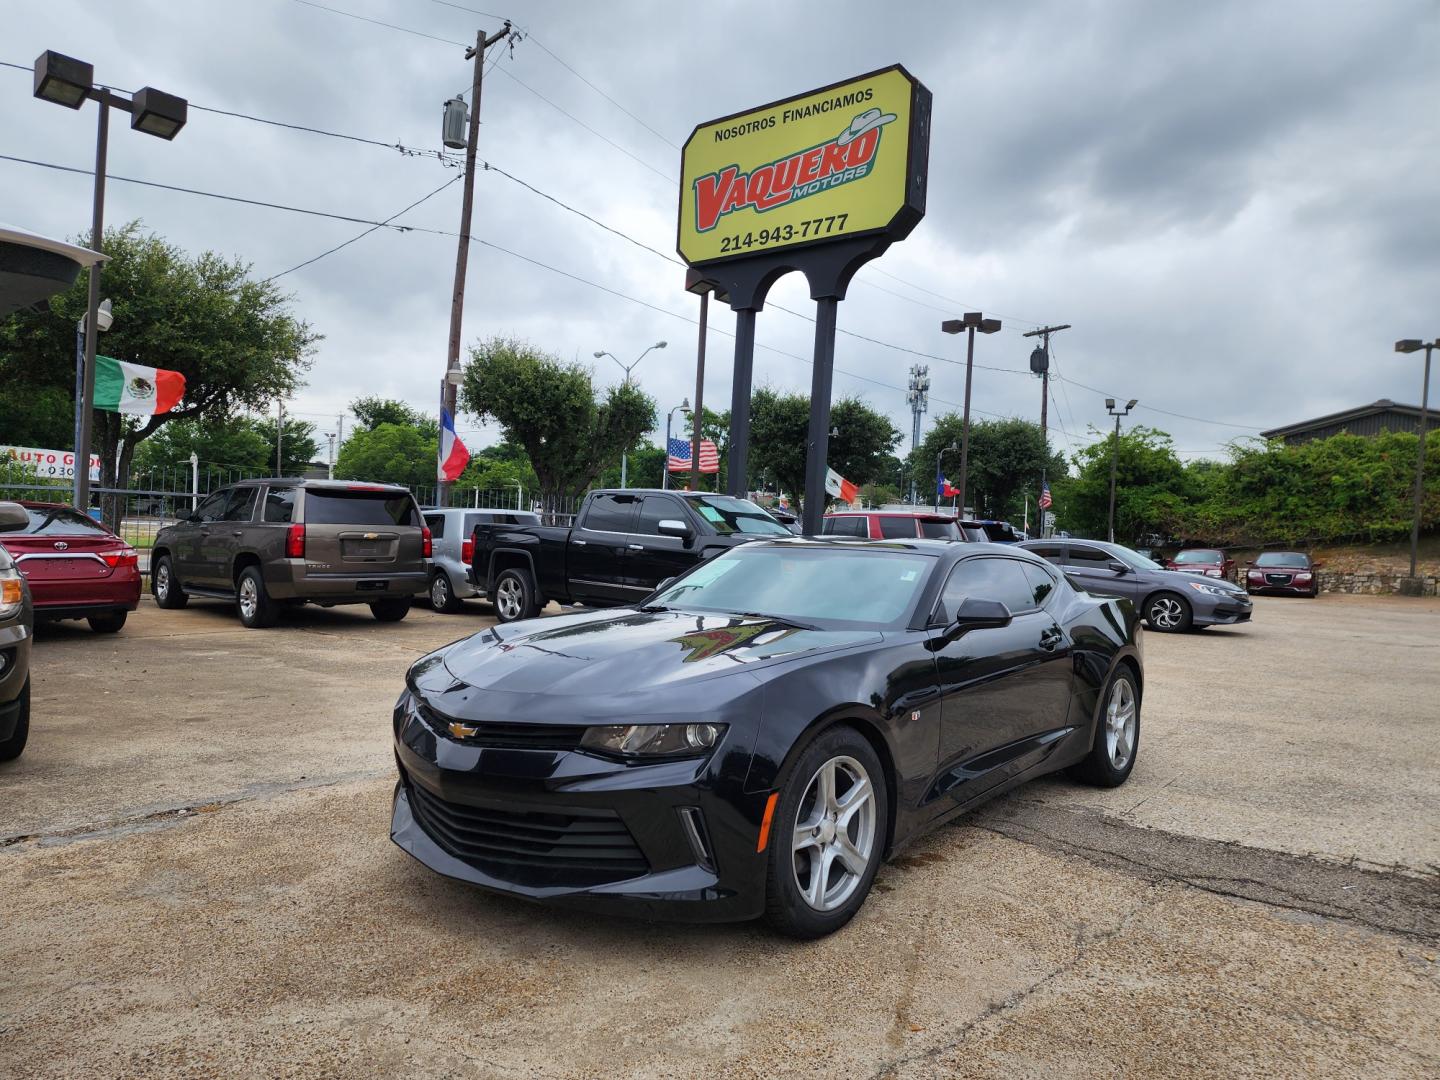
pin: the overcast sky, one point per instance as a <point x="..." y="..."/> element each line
<point x="1235" y="204"/>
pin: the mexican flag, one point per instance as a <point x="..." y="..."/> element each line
<point x="839" y="487"/>
<point x="132" y="388"/>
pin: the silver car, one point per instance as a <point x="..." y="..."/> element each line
<point x="451" y="531"/>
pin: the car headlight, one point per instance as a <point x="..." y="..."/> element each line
<point x="652" y="740"/>
<point x="1213" y="573"/>
<point x="1206" y="587"/>
<point x="12" y="592"/>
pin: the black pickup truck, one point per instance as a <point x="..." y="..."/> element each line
<point x="622" y="545"/>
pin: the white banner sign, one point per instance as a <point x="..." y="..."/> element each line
<point x="48" y="464"/>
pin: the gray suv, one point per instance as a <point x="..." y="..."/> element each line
<point x="453" y="532"/>
<point x="1171" y="601"/>
<point x="273" y="544"/>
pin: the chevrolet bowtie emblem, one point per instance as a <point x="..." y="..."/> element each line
<point x="462" y="731"/>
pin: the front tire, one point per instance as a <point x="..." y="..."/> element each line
<point x="12" y="747"/>
<point x="442" y="594"/>
<point x="827" y="837"/>
<point x="515" y="596"/>
<point x="165" y="587"/>
<point x="108" y="624"/>
<point x="252" y="600"/>
<point x="390" y="610"/>
<point x="1117" y="735"/>
<point x="1168" y="613"/>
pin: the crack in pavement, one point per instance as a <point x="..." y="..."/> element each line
<point x="1392" y="902"/>
<point x="164" y="816"/>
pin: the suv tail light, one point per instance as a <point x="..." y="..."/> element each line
<point x="427" y="545"/>
<point x="467" y="551"/>
<point x="124" y="557"/>
<point x="295" y="542"/>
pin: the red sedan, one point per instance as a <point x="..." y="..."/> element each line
<point x="1212" y="562"/>
<point x="75" y="567"/>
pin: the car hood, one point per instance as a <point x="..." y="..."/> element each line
<point x="629" y="652"/>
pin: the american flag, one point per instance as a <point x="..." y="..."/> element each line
<point x="1045" y="496"/>
<point x="679" y="459"/>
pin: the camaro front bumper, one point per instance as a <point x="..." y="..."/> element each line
<point x="670" y="840"/>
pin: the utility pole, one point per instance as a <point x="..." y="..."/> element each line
<point x="919" y="399"/>
<point x="1115" y="453"/>
<point x="1040" y="365"/>
<point x="330" y="466"/>
<point x="462" y="254"/>
<point x="279" y="436"/>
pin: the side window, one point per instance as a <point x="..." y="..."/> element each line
<point x="1042" y="585"/>
<point x="610" y="513"/>
<point x="214" y="506"/>
<point x="1049" y="552"/>
<point x="280" y="505"/>
<point x="655" y="509"/>
<point x="1088" y="558"/>
<point x="897" y="528"/>
<point x="242" y="504"/>
<point x="849" y="525"/>
<point x="436" y="524"/>
<point x="988" y="579"/>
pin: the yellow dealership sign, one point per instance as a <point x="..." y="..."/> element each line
<point x="843" y="161"/>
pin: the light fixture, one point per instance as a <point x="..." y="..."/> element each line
<point x="1409" y="345"/>
<point x="157" y="113"/>
<point x="104" y="317"/>
<point x="63" y="79"/>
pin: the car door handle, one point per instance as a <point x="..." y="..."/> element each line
<point x="578" y="543"/>
<point x="235" y="532"/>
<point x="637" y="547"/>
<point x="1050" y="639"/>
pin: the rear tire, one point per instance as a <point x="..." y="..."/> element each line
<point x="12" y="747"/>
<point x="836" y="828"/>
<point x="108" y="624"/>
<point x="442" y="594"/>
<point x="252" y="600"/>
<point x="165" y="587"/>
<point x="390" y="610"/>
<point x="1117" y="734"/>
<point x="515" y="596"/>
<point x="1168" y="613"/>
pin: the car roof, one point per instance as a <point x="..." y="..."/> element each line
<point x="475" y="510"/>
<point x="330" y="485"/>
<point x="924" y="515"/>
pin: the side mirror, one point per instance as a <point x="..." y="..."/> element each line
<point x="12" y="517"/>
<point x="673" y="527"/>
<point x="1316" y="565"/>
<point x="977" y="614"/>
<point x="1117" y="566"/>
<point x="191" y="518"/>
<point x="664" y="584"/>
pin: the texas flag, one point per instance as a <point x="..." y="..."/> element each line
<point x="453" y="455"/>
<point x="946" y="491"/>
<point x="839" y="487"/>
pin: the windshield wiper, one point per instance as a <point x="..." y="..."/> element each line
<point x="647" y="608"/>
<point x="780" y="619"/>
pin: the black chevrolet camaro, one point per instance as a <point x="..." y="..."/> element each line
<point x="758" y="735"/>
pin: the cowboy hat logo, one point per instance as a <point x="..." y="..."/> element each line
<point x="866" y="121"/>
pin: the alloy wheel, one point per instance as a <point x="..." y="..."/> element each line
<point x="1166" y="613"/>
<point x="1120" y="723"/>
<point x="162" y="582"/>
<point x="439" y="592"/>
<point x="834" y="833"/>
<point x="508" y="599"/>
<point x="249" y="597"/>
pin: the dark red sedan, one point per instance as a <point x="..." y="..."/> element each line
<point x="1212" y="562"/>
<point x="1292" y="573"/>
<point x="75" y="567"/>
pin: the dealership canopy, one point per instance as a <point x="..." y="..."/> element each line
<point x="33" y="268"/>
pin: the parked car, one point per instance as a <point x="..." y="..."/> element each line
<point x="999" y="532"/>
<point x="1212" y="562"/>
<point x="1170" y="602"/>
<point x="623" y="544"/>
<point x="75" y="567"/>
<point x="452" y="536"/>
<point x="757" y="736"/>
<point x="272" y="544"/>
<point x="16" y="627"/>
<point x="1287" y="573"/>
<point x="785" y="517"/>
<point x="896" y="525"/>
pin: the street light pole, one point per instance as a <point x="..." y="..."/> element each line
<point x="669" y="419"/>
<point x="972" y="321"/>
<point x="1408" y="346"/>
<point x="1114" y="454"/>
<point x="625" y="455"/>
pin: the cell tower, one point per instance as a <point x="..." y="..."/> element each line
<point x="919" y="399"/>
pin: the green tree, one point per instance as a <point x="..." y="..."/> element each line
<point x="40" y="416"/>
<point x="371" y="412"/>
<point x="860" y="449"/>
<point x="1007" y="458"/>
<point x="1153" y="492"/>
<point x="388" y="454"/>
<point x="498" y="468"/>
<point x="244" y="443"/>
<point x="646" y="469"/>
<point x="232" y="338"/>
<point x="551" y="409"/>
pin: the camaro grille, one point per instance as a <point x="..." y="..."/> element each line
<point x="579" y="848"/>
<point x="1277" y="579"/>
<point x="508" y="736"/>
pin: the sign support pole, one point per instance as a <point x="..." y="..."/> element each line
<point x="826" y="308"/>
<point x="739" y="451"/>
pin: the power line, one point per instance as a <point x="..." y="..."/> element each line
<point x="388" y="26"/>
<point x="961" y="303"/>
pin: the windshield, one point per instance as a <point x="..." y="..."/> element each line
<point x="1199" y="555"/>
<point x="1133" y="558"/>
<point x="1282" y="558"/>
<point x="325" y="507"/>
<point x="61" y="521"/>
<point x="940" y="530"/>
<point x="847" y="586"/>
<point x="728" y="515"/>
